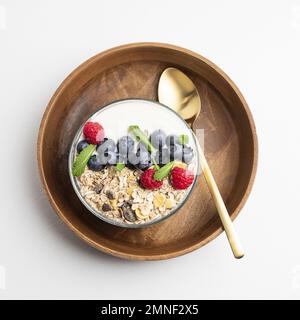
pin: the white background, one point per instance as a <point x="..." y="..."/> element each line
<point x="257" y="43"/>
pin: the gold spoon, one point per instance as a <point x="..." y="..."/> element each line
<point x="178" y="92"/>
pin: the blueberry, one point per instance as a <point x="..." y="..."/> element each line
<point x="144" y="166"/>
<point x="131" y="162"/>
<point x="95" y="164"/>
<point x="130" y="166"/>
<point x="187" y="155"/>
<point x="141" y="147"/>
<point x="81" y="145"/>
<point x="181" y="153"/>
<point x="104" y="139"/>
<point x="158" y="138"/>
<point x="127" y="159"/>
<point x="140" y="159"/>
<point x="162" y="156"/>
<point x="106" y="145"/>
<point x="133" y="158"/>
<point x="108" y="157"/>
<point x="171" y="140"/>
<point x="125" y="145"/>
<point x="176" y="152"/>
<point x="121" y="158"/>
<point x="144" y="159"/>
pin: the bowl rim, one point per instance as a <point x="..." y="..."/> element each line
<point x="102" y="216"/>
<point x="70" y="78"/>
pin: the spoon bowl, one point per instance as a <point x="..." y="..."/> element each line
<point x="177" y="90"/>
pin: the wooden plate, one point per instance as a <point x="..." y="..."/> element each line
<point x="132" y="71"/>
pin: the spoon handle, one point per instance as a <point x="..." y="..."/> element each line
<point x="231" y="234"/>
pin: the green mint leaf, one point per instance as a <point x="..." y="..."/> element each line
<point x="82" y="160"/>
<point x="120" y="166"/>
<point x="155" y="165"/>
<point x="163" y="171"/>
<point x="140" y="136"/>
<point x="183" y="139"/>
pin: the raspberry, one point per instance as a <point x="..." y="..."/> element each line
<point x="181" y="178"/>
<point x="147" y="180"/>
<point x="93" y="132"/>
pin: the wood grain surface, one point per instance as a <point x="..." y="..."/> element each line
<point x="132" y="71"/>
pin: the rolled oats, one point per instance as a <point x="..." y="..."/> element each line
<point x="118" y="196"/>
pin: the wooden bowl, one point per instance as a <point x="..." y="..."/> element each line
<point x="132" y="71"/>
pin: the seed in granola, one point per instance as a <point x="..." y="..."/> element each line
<point x="106" y="207"/>
<point x="120" y="211"/>
<point x="169" y="204"/>
<point x="130" y="190"/>
<point x="98" y="188"/>
<point x="142" y="212"/>
<point x="159" y="200"/>
<point x="114" y="203"/>
<point x="117" y="213"/>
<point x="137" y="173"/>
<point x="128" y="213"/>
<point x="132" y="178"/>
<point x="110" y="195"/>
<point x="139" y="214"/>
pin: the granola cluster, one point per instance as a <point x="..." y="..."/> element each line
<point x="118" y="195"/>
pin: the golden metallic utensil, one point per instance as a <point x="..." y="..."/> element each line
<point x="178" y="92"/>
